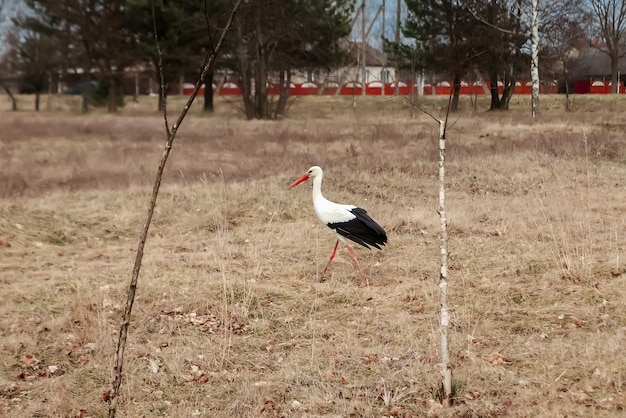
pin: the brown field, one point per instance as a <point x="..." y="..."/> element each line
<point x="230" y="320"/>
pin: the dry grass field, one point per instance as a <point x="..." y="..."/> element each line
<point x="230" y="320"/>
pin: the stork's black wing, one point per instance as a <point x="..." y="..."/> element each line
<point x="362" y="229"/>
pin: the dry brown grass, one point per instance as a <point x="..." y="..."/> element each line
<point x="230" y="320"/>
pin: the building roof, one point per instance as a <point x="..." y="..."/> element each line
<point x="373" y="57"/>
<point x="595" y="62"/>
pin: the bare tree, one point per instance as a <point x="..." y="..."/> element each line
<point x="6" y="75"/>
<point x="5" y="67"/>
<point x="611" y="16"/>
<point x="445" y="38"/>
<point x="78" y="25"/>
<point x="33" y="58"/>
<point x="272" y="40"/>
<point x="513" y="23"/>
<point x="566" y="35"/>
<point x="209" y="61"/>
<point x="500" y="41"/>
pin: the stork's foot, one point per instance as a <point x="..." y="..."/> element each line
<point x="322" y="278"/>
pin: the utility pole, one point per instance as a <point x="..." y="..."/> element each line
<point x="383" y="10"/>
<point x="363" y="51"/>
<point x="385" y="75"/>
<point x="398" y="17"/>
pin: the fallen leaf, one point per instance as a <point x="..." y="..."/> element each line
<point x="197" y="375"/>
<point x="29" y="360"/>
<point x="496" y="358"/>
<point x="89" y="347"/>
<point x="154" y="365"/>
<point x="239" y="328"/>
<point x="616" y="272"/>
<point x="471" y="395"/>
<point x="106" y="395"/>
<point x="268" y="404"/>
<point x="577" y="322"/>
<point x="370" y="358"/>
<point x="417" y="310"/>
<point x="472" y="340"/>
<point x="607" y="403"/>
<point x="327" y="374"/>
<point x="580" y="396"/>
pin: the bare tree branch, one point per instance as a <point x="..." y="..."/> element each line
<point x="162" y="86"/>
<point x="491" y="25"/>
<point x="171" y="134"/>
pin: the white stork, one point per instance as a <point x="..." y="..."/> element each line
<point x="348" y="221"/>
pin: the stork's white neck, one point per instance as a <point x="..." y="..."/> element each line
<point x="317" y="189"/>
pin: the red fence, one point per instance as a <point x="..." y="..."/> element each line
<point x="590" y="86"/>
<point x="376" y="88"/>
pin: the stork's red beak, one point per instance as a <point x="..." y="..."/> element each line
<point x="300" y="180"/>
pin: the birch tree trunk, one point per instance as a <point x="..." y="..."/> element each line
<point x="534" y="60"/>
<point x="446" y="370"/>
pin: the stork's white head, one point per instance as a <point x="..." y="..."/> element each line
<point x="313" y="172"/>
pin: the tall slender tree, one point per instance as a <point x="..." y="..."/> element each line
<point x="442" y="31"/>
<point x="186" y="31"/>
<point x="611" y="20"/>
<point x="501" y="36"/>
<point x="273" y="39"/>
<point x="34" y="59"/>
<point x="511" y="26"/>
<point x="95" y="36"/>
<point x="168" y="22"/>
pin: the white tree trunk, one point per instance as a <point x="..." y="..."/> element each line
<point x="446" y="370"/>
<point x="534" y="60"/>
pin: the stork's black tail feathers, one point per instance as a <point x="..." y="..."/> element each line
<point x="363" y="230"/>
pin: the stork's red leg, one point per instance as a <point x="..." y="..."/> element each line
<point x="358" y="265"/>
<point x="331" y="259"/>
